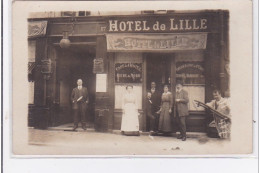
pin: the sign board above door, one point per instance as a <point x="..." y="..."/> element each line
<point x="174" y="23"/>
<point x="158" y="42"/>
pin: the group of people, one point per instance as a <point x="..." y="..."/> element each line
<point x="162" y="108"/>
<point x="159" y="108"/>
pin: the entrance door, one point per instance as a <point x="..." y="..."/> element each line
<point x="159" y="69"/>
<point x="74" y="66"/>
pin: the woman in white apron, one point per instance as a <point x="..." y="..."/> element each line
<point x="130" y="122"/>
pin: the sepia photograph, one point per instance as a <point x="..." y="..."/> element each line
<point x="140" y="82"/>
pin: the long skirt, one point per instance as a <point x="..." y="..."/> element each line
<point x="165" y="124"/>
<point x="130" y="122"/>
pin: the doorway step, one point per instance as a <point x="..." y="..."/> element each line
<point x="188" y="134"/>
<point x="69" y="126"/>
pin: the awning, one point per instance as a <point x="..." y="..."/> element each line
<point x="37" y="28"/>
<point x="156" y="42"/>
<point x="31" y="66"/>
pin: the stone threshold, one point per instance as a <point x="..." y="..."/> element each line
<point x="118" y="132"/>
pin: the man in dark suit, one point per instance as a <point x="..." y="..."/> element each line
<point x="150" y="116"/>
<point x="80" y="99"/>
<point x="155" y="107"/>
<point x="181" y="109"/>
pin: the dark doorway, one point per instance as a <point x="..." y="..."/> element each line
<point x="158" y="70"/>
<point x="74" y="65"/>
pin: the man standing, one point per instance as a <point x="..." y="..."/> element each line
<point x="181" y="110"/>
<point x="155" y="106"/>
<point x="80" y="99"/>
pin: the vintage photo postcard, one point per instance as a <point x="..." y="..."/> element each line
<point x="126" y="78"/>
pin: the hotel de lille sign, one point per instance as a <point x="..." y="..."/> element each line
<point x="169" y="34"/>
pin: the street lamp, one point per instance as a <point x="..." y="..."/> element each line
<point x="65" y="42"/>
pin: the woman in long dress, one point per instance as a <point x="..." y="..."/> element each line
<point x="165" y="125"/>
<point x="130" y="122"/>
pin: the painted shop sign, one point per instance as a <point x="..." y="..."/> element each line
<point x="170" y="42"/>
<point x="36" y="29"/>
<point x="159" y="24"/>
<point x="190" y="72"/>
<point x="128" y="72"/>
<point x="98" y="65"/>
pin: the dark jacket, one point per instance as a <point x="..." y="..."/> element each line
<point x="182" y="106"/>
<point x="156" y="101"/>
<point x="149" y="108"/>
<point x="75" y="95"/>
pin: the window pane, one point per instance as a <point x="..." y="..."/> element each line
<point x="120" y="91"/>
<point x="190" y="72"/>
<point x="195" y="93"/>
<point x="128" y="73"/>
<point x="128" y="69"/>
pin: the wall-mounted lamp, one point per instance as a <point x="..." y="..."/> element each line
<point x="65" y="42"/>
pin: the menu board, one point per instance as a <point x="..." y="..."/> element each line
<point x="128" y="73"/>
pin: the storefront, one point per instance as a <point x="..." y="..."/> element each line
<point x="110" y="52"/>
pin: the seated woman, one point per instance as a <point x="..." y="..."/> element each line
<point x="130" y="122"/>
<point x="165" y="125"/>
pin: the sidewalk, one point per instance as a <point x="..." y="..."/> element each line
<point x="89" y="142"/>
<point x="90" y="128"/>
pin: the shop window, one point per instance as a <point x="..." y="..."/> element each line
<point x="120" y="90"/>
<point x="128" y="71"/>
<point x="190" y="71"/>
<point x="195" y="93"/>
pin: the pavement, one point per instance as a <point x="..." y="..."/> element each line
<point x="90" y="128"/>
<point x="90" y="142"/>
